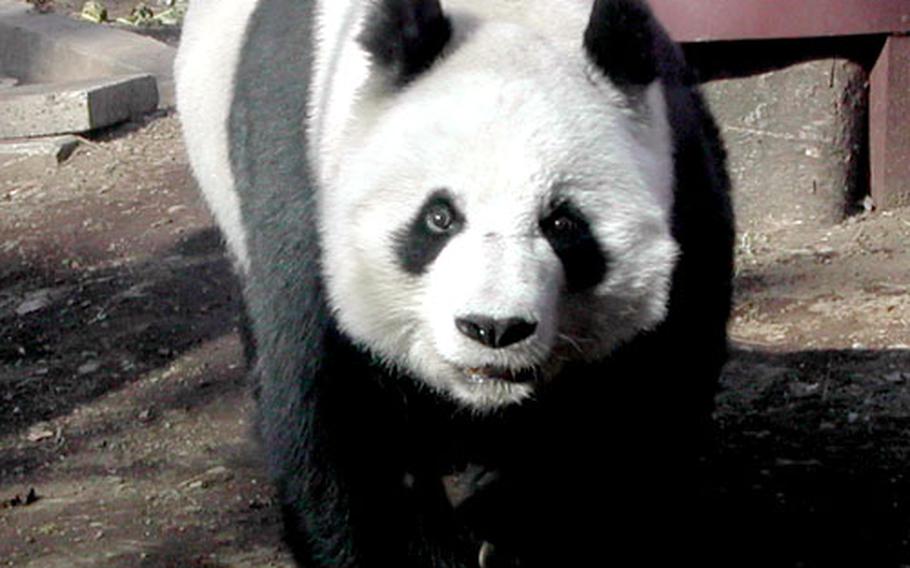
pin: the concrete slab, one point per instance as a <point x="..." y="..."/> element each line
<point x="80" y="106"/>
<point x="55" y="149"/>
<point x="43" y="48"/>
<point x="33" y="157"/>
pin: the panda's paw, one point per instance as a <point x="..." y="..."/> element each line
<point x="492" y="557"/>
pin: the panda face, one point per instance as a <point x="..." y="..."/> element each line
<point x="502" y="215"/>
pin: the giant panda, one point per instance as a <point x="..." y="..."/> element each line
<point x="486" y="250"/>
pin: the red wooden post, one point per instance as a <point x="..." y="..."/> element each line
<point x="889" y="124"/>
<point x="732" y="20"/>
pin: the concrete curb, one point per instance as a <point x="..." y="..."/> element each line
<point x="80" y="106"/>
<point x="47" y="48"/>
<point x="55" y="149"/>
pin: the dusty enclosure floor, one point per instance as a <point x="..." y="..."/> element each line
<point x="122" y="397"/>
<point x="122" y="402"/>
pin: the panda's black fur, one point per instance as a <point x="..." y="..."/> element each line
<point x="585" y="470"/>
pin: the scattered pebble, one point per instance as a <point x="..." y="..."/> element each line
<point x="897" y="377"/>
<point x="34" y="302"/>
<point x="88" y="367"/>
<point x="39" y="432"/>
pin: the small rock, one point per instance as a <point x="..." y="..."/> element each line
<point x="17" y="501"/>
<point x="32" y="304"/>
<point x="217" y="474"/>
<point x="868" y="204"/>
<point x="896" y="377"/>
<point x="785" y="462"/>
<point x="39" y="432"/>
<point x="94" y="12"/>
<point x="88" y="367"/>
<point x="800" y="389"/>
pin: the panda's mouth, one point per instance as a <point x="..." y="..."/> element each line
<point x="480" y="375"/>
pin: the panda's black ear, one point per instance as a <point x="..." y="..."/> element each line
<point x="621" y="40"/>
<point x="406" y="36"/>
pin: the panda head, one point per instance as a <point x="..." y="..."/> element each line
<point x="502" y="202"/>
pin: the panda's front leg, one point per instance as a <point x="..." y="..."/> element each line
<point x="349" y="492"/>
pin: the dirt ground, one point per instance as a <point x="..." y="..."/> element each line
<point x="125" y="421"/>
<point x="122" y="397"/>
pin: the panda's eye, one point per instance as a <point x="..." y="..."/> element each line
<point x="439" y="217"/>
<point x="433" y="225"/>
<point x="562" y="224"/>
<point x="570" y="235"/>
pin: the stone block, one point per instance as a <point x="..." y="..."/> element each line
<point x="45" y="48"/>
<point x="796" y="140"/>
<point x="55" y="148"/>
<point x="80" y="106"/>
<point x="36" y="155"/>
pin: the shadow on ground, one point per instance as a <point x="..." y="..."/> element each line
<point x="808" y="469"/>
<point x="68" y="337"/>
<point x="811" y="459"/>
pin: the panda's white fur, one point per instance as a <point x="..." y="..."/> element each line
<point x="205" y="73"/>
<point x="342" y="67"/>
<point x="508" y="121"/>
<point x="512" y="118"/>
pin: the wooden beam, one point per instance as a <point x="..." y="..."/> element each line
<point x="722" y="20"/>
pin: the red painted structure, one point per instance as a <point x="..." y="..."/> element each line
<point x="889" y="124"/>
<point x="889" y="80"/>
<point x="719" y="20"/>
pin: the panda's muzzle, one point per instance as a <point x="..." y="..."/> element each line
<point x="495" y="333"/>
<point x="479" y="375"/>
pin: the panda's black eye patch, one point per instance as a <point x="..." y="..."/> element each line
<point x="419" y="243"/>
<point x="569" y="234"/>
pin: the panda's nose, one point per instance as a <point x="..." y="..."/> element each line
<point x="493" y="332"/>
